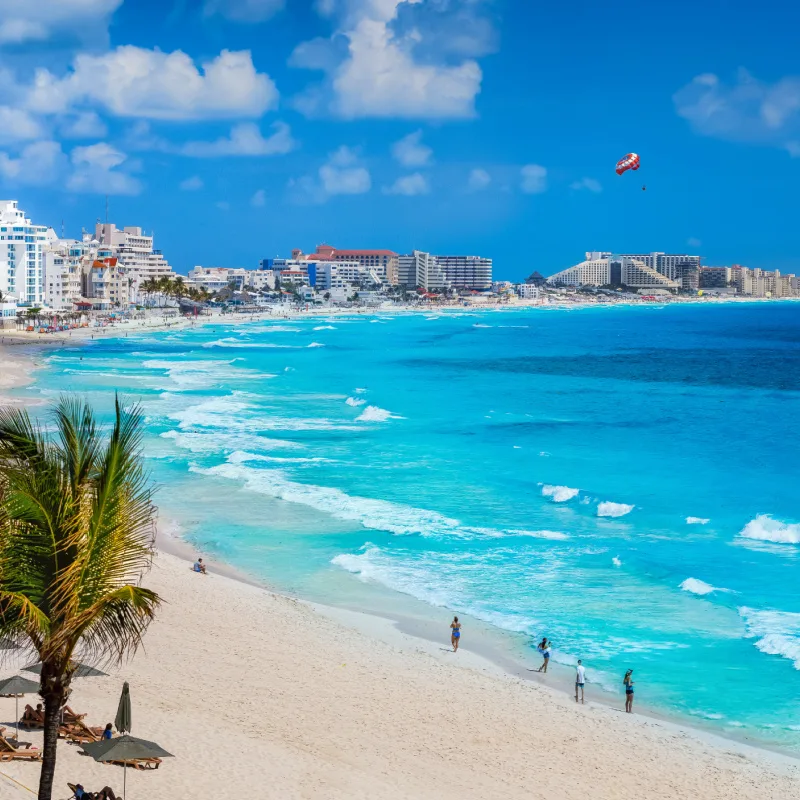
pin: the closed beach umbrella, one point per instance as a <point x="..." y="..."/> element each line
<point x="122" y="722"/>
<point x="17" y="686"/>
<point x="124" y="748"/>
<point x="80" y="670"/>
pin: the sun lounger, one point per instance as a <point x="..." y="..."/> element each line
<point x="139" y="763"/>
<point x="31" y="720"/>
<point x="79" y="732"/>
<point x="10" y="752"/>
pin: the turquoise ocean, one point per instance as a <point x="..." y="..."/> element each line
<point x="624" y="481"/>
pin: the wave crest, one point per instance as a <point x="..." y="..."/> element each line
<point x="559" y="494"/>
<point x="768" y="529"/>
<point x="609" y="509"/>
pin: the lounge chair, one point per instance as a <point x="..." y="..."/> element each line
<point x="139" y="763"/>
<point x="73" y="787"/>
<point x="79" y="732"/>
<point x="68" y="715"/>
<point x="10" y="752"/>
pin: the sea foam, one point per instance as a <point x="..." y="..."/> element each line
<point x="767" y="529"/>
<point x="697" y="521"/>
<point x="695" y="586"/>
<point x="559" y="494"/>
<point x="609" y="509"/>
<point x="777" y="633"/>
<point x="355" y="401"/>
<point x="376" y="414"/>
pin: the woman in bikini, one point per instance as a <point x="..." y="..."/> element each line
<point x="628" y="683"/>
<point x="455" y="635"/>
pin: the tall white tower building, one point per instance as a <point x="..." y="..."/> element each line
<point x="21" y="255"/>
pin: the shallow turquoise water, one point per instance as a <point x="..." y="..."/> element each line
<point x="624" y="480"/>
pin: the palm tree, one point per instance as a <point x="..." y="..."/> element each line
<point x="76" y="535"/>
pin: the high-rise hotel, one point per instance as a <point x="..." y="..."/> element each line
<point x="22" y="246"/>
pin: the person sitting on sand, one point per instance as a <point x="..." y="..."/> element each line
<point x="199" y="566"/>
<point x="108" y="733"/>
<point x="33" y="714"/>
<point x="455" y="636"/>
<point x="628" y="683"/>
<point x="544" y="649"/>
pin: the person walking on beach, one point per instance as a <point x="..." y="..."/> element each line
<point x="544" y="649"/>
<point x="455" y="636"/>
<point x="628" y="682"/>
<point x="580" y="680"/>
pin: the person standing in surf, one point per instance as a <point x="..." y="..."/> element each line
<point x="580" y="680"/>
<point x="544" y="649"/>
<point x="628" y="682"/>
<point x="455" y="635"/>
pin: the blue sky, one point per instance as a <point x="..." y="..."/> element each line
<point x="239" y="129"/>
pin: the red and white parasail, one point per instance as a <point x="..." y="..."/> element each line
<point x="631" y="161"/>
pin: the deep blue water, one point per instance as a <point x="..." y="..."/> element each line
<point x="535" y="469"/>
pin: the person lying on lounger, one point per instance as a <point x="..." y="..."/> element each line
<point x="106" y="793"/>
<point x="68" y="715"/>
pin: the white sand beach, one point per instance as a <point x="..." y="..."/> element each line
<point x="259" y="695"/>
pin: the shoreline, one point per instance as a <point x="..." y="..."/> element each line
<point x="406" y="632"/>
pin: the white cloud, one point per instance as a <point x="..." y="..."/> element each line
<point x="38" y="164"/>
<point x="381" y="74"/>
<point x="479" y="179"/>
<point x="410" y="151"/>
<point x="259" y="199"/>
<point x="37" y="20"/>
<point x="589" y="184"/>
<point x="748" y="110"/>
<point x="534" y="179"/>
<point x="86" y="125"/>
<point x="96" y="173"/>
<point x="244" y="10"/>
<point x="693" y="242"/>
<point x="408" y="185"/>
<point x="245" y="140"/>
<point x="193" y="184"/>
<point x="17" y="125"/>
<point x="135" y="82"/>
<point x="342" y="175"/>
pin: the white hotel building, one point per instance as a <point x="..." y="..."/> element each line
<point x="22" y="246"/>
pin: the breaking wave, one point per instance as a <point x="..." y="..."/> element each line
<point x="777" y="633"/>
<point x="376" y="414"/>
<point x="609" y="509"/>
<point x="767" y="529"/>
<point x="559" y="494"/>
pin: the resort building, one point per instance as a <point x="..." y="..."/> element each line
<point x="715" y="277"/>
<point x="135" y="252"/>
<point x="603" y="269"/>
<point x="63" y="273"/>
<point x="528" y="291"/>
<point x="107" y="283"/>
<point x="594" y="270"/>
<point x="22" y="246"/>
<point x="466" y="272"/>
<point x="670" y="265"/>
<point x="381" y="265"/>
<point x="422" y="270"/>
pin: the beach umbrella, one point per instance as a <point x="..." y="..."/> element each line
<point x="124" y="749"/>
<point x="81" y="670"/>
<point x="17" y="686"/>
<point x="124" y="717"/>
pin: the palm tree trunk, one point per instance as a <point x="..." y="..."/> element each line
<point x="53" y="702"/>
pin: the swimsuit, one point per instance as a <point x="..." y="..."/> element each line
<point x="456" y="633"/>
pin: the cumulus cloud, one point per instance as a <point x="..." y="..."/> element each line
<point x="534" y="179"/>
<point x="410" y="151"/>
<point x="587" y="184"/>
<point x="478" y="179"/>
<point x="259" y="199"/>
<point x="86" y="125"/>
<point x="243" y="10"/>
<point x="17" y="125"/>
<point x="408" y="185"/>
<point x="95" y="171"/>
<point x="135" y="82"/>
<point x="38" y="164"/>
<point x="25" y="20"/>
<point x="747" y="110"/>
<point x="245" y="140"/>
<point x="193" y="184"/>
<point x="384" y="71"/>
<point x="342" y="174"/>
